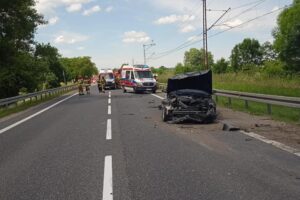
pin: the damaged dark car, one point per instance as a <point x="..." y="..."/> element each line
<point x="189" y="98"/>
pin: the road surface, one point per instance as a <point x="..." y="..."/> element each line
<point x="114" y="146"/>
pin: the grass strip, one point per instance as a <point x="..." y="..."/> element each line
<point x="279" y="113"/>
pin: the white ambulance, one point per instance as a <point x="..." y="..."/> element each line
<point x="137" y="78"/>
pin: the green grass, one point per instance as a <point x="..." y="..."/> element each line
<point x="163" y="78"/>
<point x="279" y="113"/>
<point x="257" y="83"/>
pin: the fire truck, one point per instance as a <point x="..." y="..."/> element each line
<point x="137" y="78"/>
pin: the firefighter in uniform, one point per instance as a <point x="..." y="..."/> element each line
<point x="87" y="84"/>
<point x="101" y="84"/>
<point x="80" y="87"/>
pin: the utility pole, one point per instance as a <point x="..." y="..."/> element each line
<point x="146" y="47"/>
<point x="205" y="46"/>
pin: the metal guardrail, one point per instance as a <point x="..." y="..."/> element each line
<point x="269" y="100"/>
<point x="41" y="94"/>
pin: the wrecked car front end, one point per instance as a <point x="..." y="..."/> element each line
<point x="189" y="98"/>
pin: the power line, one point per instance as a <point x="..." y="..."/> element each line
<point x="187" y="44"/>
<point x="245" y="11"/>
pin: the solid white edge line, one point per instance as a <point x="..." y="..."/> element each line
<point x="263" y="139"/>
<point x="272" y="142"/>
<point x="109" y="110"/>
<point x="158" y="96"/>
<point x="109" y="101"/>
<point x="107" y="179"/>
<point x="33" y="115"/>
<point x="108" y="130"/>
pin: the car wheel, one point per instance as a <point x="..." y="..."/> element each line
<point x="124" y="90"/>
<point x="165" y="116"/>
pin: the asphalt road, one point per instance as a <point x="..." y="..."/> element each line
<point x="90" y="147"/>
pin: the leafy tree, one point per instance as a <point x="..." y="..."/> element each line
<point x="220" y="66"/>
<point x="194" y="58"/>
<point x="50" y="55"/>
<point x="79" y="67"/>
<point x="18" y="23"/>
<point x="268" y="52"/>
<point x="247" y="53"/>
<point x="287" y="36"/>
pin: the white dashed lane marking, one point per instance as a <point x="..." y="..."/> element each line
<point x="108" y="130"/>
<point x="108" y="179"/>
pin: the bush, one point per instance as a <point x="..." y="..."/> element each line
<point x="273" y="68"/>
<point x="221" y="66"/>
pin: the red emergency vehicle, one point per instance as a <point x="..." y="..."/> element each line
<point x="137" y="78"/>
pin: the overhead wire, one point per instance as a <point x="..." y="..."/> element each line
<point x="184" y="45"/>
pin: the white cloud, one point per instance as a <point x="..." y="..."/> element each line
<point x="109" y="9"/>
<point x="69" y="38"/>
<point x="171" y="19"/>
<point x="188" y="28"/>
<point x="91" y="10"/>
<point x="53" y="20"/>
<point x="49" y="6"/>
<point x="74" y="7"/>
<point x="135" y="37"/>
<point x="230" y="24"/>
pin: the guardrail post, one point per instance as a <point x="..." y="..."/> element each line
<point x="217" y="99"/>
<point x="246" y="104"/>
<point x="229" y="101"/>
<point x="269" y="109"/>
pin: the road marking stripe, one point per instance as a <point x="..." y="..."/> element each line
<point x="109" y="110"/>
<point x="108" y="130"/>
<point x="107" y="179"/>
<point x="272" y="142"/>
<point x="34" y="115"/>
<point x="109" y="101"/>
<point x="158" y="96"/>
<point x="263" y="139"/>
<point x="109" y="94"/>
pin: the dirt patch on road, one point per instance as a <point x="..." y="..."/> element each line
<point x="285" y="133"/>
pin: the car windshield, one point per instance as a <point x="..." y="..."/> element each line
<point x="143" y="74"/>
<point x="109" y="76"/>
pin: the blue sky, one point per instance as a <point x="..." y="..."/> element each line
<point x="113" y="31"/>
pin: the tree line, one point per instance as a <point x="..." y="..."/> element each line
<point x="26" y="65"/>
<point x="282" y="57"/>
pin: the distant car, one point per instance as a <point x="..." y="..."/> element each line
<point x="109" y="78"/>
<point x="189" y="98"/>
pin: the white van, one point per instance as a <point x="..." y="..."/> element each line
<point x="137" y="78"/>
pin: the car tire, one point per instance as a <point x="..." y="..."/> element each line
<point x="164" y="115"/>
<point x="124" y="90"/>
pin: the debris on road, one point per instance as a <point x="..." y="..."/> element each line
<point x="229" y="127"/>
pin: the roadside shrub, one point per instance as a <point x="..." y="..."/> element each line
<point x="273" y="68"/>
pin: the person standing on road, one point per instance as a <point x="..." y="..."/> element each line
<point x="102" y="84"/>
<point x="80" y="87"/>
